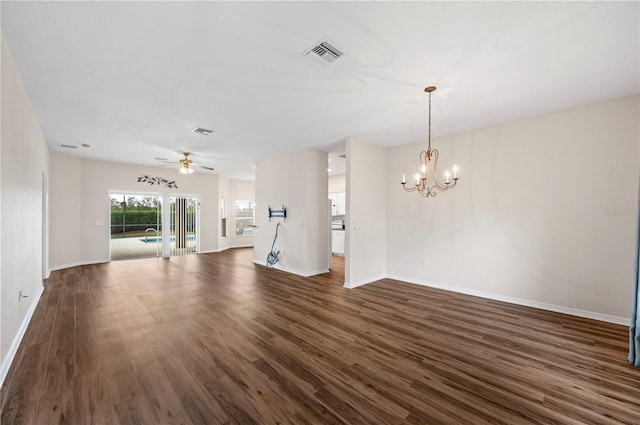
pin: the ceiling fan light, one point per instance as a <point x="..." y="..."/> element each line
<point x="186" y="170"/>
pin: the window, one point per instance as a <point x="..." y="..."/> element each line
<point x="245" y="217"/>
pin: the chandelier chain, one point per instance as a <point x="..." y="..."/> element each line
<point x="429" y="122"/>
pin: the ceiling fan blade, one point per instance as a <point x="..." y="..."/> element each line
<point x="205" y="167"/>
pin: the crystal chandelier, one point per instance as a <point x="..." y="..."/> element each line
<point x="426" y="158"/>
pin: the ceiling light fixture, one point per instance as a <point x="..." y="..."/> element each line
<point x="186" y="170"/>
<point x="186" y="164"/>
<point x="426" y="157"/>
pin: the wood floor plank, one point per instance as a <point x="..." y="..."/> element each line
<point x="216" y="339"/>
<point x="197" y="405"/>
<point x="92" y="400"/>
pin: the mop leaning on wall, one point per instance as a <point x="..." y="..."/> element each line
<point x="274" y="256"/>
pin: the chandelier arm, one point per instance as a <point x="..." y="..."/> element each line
<point x="423" y="157"/>
<point x="443" y="188"/>
<point x="411" y="189"/>
<point x="424" y="162"/>
<point x="438" y="184"/>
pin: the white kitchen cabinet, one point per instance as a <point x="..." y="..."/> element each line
<point x="337" y="242"/>
<point x="334" y="203"/>
<point x="338" y="203"/>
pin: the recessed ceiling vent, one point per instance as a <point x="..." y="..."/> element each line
<point x="324" y="53"/>
<point x="204" y="131"/>
<point x="67" y="146"/>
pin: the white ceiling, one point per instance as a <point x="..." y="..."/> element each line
<point x="132" y="79"/>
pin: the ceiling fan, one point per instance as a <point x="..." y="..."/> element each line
<point x="186" y="165"/>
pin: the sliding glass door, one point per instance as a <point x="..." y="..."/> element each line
<point x="152" y="226"/>
<point x="184" y="219"/>
<point x="136" y="226"/>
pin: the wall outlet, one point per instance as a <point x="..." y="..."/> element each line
<point x="425" y="262"/>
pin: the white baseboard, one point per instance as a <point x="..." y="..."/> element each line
<point x="519" y="301"/>
<point x="625" y="321"/>
<point x="212" y="251"/>
<point x="77" y="263"/>
<point x="351" y="285"/>
<point x="278" y="266"/>
<point x="6" y="363"/>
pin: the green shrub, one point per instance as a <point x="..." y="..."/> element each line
<point x="133" y="220"/>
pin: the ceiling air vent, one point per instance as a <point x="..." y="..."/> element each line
<point x="204" y="131"/>
<point x="67" y="146"/>
<point x="324" y="53"/>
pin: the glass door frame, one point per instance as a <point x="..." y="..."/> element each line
<point x="165" y="201"/>
<point x="160" y="197"/>
<point x="166" y="230"/>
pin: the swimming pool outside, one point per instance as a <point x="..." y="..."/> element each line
<point x="190" y="238"/>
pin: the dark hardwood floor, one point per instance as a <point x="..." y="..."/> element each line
<point x="214" y="339"/>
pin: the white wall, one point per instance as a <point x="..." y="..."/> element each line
<point x="97" y="180"/>
<point x="544" y="210"/>
<point x="365" y="238"/>
<point x="299" y="181"/>
<point x="65" y="209"/>
<point x="24" y="158"/>
<point x="337" y="183"/>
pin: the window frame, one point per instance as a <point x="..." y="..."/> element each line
<point x="252" y="205"/>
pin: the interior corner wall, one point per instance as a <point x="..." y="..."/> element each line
<point x="299" y="182"/>
<point x="366" y="227"/>
<point x="97" y="180"/>
<point x="24" y="160"/>
<point x="545" y="210"/>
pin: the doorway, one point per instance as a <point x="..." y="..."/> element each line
<point x="183" y="225"/>
<point x="136" y="226"/>
<point x="146" y="225"/>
